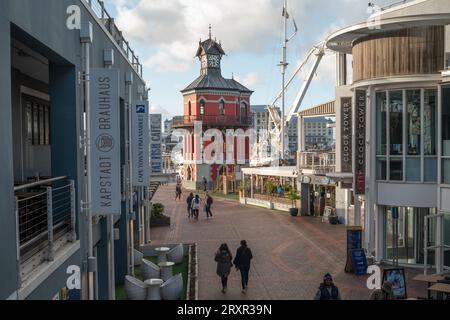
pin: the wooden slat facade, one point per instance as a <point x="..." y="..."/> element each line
<point x="326" y="109"/>
<point x="412" y="51"/>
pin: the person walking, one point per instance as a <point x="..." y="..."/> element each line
<point x="195" y="206"/>
<point x="327" y="289"/>
<point x="312" y="199"/>
<point x="242" y="263"/>
<point x="208" y="203"/>
<point x="385" y="293"/>
<point x="178" y="192"/>
<point x="189" y="203"/>
<point x="223" y="258"/>
<point x="205" y="184"/>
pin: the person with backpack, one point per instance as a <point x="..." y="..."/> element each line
<point x="208" y="203"/>
<point x="195" y="206"/>
<point x="223" y="258"/>
<point x="327" y="289"/>
<point x="189" y="203"/>
<point x="242" y="263"/>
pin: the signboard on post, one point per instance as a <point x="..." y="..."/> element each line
<point x="360" y="142"/>
<point x="155" y="143"/>
<point x="105" y="142"/>
<point x="140" y="144"/>
<point x="346" y="134"/>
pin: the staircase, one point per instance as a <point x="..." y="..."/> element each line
<point x="152" y="189"/>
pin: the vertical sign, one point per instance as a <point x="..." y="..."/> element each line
<point x="140" y="144"/>
<point x="346" y="134"/>
<point x="155" y="143"/>
<point x="360" y="142"/>
<point x="105" y="142"/>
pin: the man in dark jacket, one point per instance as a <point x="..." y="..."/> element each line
<point x="189" y="202"/>
<point x="327" y="290"/>
<point x="242" y="263"/>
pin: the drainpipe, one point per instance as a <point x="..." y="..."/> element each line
<point x="129" y="188"/>
<point x="108" y="60"/>
<point x="86" y="37"/>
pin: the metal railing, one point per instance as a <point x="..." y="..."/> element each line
<point x="98" y="7"/>
<point x="319" y="162"/>
<point x="45" y="211"/>
<point x="213" y="120"/>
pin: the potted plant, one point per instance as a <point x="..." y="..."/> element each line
<point x="158" y="219"/>
<point x="293" y="196"/>
<point x="270" y="188"/>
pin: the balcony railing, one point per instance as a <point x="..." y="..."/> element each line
<point x="319" y="162"/>
<point x="213" y="121"/>
<point x="45" y="214"/>
<point x="98" y="7"/>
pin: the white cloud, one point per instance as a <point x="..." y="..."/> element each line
<point x="171" y="29"/>
<point x="249" y="80"/>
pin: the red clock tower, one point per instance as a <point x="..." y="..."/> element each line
<point x="218" y="103"/>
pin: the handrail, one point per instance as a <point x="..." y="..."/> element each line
<point x="38" y="183"/>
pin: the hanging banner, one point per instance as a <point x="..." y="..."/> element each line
<point x="105" y="142"/>
<point x="140" y="144"/>
<point x="360" y="142"/>
<point x="155" y="144"/>
<point x="346" y="135"/>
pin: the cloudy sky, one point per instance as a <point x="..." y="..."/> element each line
<point x="165" y="36"/>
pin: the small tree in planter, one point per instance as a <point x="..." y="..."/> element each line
<point x="270" y="188"/>
<point x="293" y="196"/>
<point x="158" y="219"/>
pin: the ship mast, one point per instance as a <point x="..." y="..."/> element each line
<point x="283" y="65"/>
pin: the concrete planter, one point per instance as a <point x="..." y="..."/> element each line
<point x="163" y="221"/>
<point x="293" y="211"/>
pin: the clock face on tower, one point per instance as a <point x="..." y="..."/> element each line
<point x="213" y="61"/>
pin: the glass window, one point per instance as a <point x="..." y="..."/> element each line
<point x="413" y="169"/>
<point x="222" y="107"/>
<point x="396" y="169"/>
<point x="413" y="122"/>
<point x="381" y="123"/>
<point x="381" y="169"/>
<point x="430" y="174"/>
<point x="446" y="171"/>
<point x="202" y="107"/>
<point x="396" y="122"/>
<point x="429" y="122"/>
<point x="446" y="121"/>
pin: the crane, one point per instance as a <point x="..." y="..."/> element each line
<point x="276" y="123"/>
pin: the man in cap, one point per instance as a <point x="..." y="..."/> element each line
<point x="327" y="289"/>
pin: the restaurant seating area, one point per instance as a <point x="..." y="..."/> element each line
<point x="159" y="281"/>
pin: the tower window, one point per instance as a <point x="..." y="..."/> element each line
<point x="222" y="107"/>
<point x="189" y="109"/>
<point x="202" y="107"/>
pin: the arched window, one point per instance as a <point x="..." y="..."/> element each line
<point x="222" y="107"/>
<point x="202" y="107"/>
<point x="243" y="109"/>
<point x="189" y="109"/>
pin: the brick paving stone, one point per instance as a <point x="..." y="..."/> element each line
<point x="291" y="254"/>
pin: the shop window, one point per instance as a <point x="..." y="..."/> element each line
<point x="396" y="169"/>
<point x="381" y="123"/>
<point x="413" y="122"/>
<point x="38" y="122"/>
<point x="396" y="122"/>
<point x="446" y="135"/>
<point x="429" y="122"/>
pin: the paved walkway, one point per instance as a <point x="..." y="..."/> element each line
<point x="291" y="254"/>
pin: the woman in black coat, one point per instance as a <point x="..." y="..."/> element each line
<point x="223" y="258"/>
